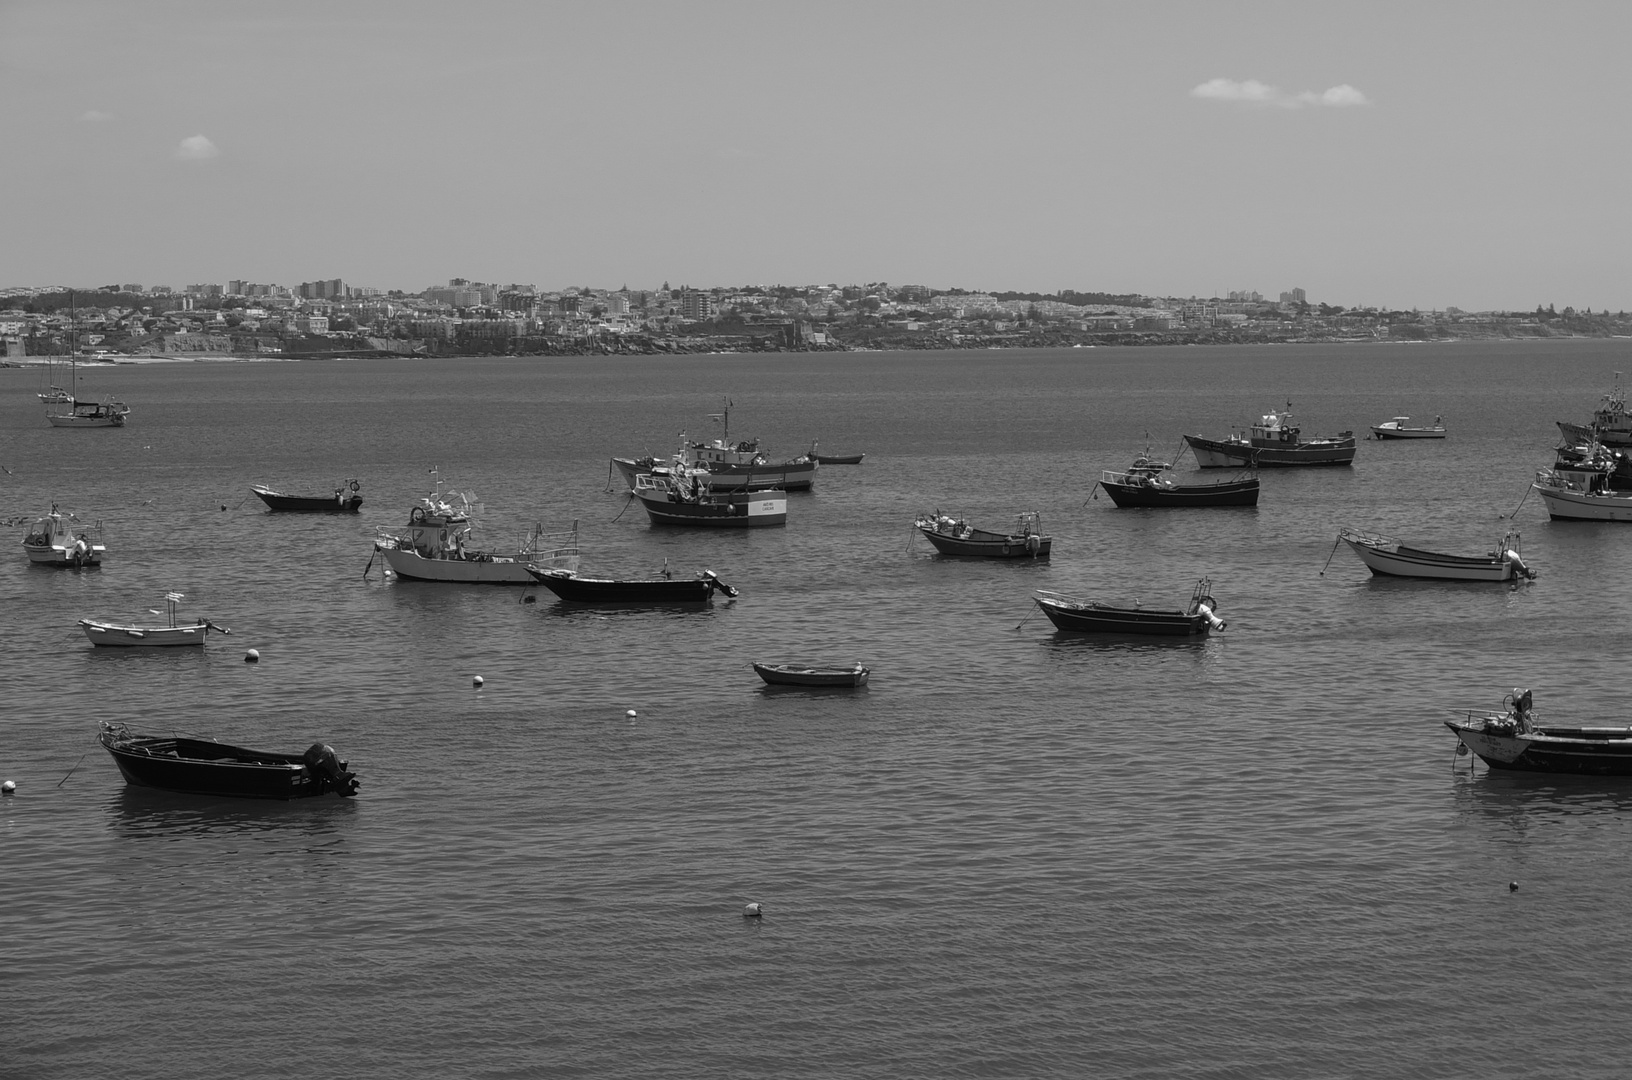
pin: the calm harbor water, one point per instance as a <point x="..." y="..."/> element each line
<point x="1016" y="854"/>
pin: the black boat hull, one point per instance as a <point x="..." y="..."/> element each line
<point x="1229" y="493"/>
<point x="1102" y="619"/>
<point x="202" y="767"/>
<point x="302" y="504"/>
<point x="580" y="590"/>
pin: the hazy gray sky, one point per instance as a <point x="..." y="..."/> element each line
<point x="1408" y="154"/>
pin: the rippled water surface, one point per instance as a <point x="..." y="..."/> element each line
<point x="1015" y="854"/>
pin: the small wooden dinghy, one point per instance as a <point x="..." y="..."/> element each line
<point x="148" y="636"/>
<point x="345" y="500"/>
<point x="951" y="536"/>
<point x="807" y="675"/>
<point x="1388" y="557"/>
<point x="205" y="767"/>
<point x="1093" y="616"/>
<point x="575" y="588"/>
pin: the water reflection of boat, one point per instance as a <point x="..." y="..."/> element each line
<point x="1517" y="740"/>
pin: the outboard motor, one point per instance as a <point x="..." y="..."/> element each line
<point x="322" y="762"/>
<point x="713" y="579"/>
<point x="1205" y="610"/>
<point x="1519" y="569"/>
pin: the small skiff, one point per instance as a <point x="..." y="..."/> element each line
<point x="808" y="675"/>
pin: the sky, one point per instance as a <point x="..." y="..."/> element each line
<point x="1391" y="154"/>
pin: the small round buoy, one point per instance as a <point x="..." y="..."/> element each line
<point x="529" y="599"/>
<point x="752" y="911"/>
<point x="631" y="714"/>
<point x="8" y="788"/>
<point x="476" y="681"/>
<point x="253" y="656"/>
<point x="223" y="506"/>
<point x="1512" y="886"/>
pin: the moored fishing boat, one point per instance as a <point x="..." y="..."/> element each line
<point x="951" y="536"/>
<point x="149" y="636"/>
<point x="723" y="465"/>
<point x="1273" y="442"/>
<point x="1515" y="739"/>
<point x="1386" y="556"/>
<point x="196" y="766"/>
<point x="345" y="500"/>
<point x="1581" y="496"/>
<point x="575" y="588"/>
<point x="53" y="540"/>
<point x="1400" y="428"/>
<point x="812" y="675"/>
<point x="1147" y="483"/>
<point x="437" y="544"/>
<point x="1611" y="423"/>
<point x="1094" y="616"/>
<point x="681" y="499"/>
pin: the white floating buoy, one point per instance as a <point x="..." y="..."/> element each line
<point x="476" y="681"/>
<point x="631" y="714"/>
<point x="8" y="788"/>
<point x="253" y="656"/>
<point x="752" y="911"/>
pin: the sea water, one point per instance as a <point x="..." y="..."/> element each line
<point x="1015" y="853"/>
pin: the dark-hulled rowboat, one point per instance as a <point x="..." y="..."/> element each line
<point x="808" y="675"/>
<point x="574" y="588"/>
<point x="1093" y="616"/>
<point x="204" y="767"/>
<point x="345" y="500"/>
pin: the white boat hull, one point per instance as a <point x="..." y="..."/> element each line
<point x="68" y="420"/>
<point x="1385" y="432"/>
<point x="64" y="557"/>
<point x="492" y="570"/>
<point x="1566" y="505"/>
<point x="148" y="637"/>
<point x="1419" y="564"/>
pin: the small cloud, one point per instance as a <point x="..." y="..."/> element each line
<point x="95" y="116"/>
<point x="1230" y="90"/>
<point x="1343" y="96"/>
<point x="197" y="148"/>
<point x="1253" y="92"/>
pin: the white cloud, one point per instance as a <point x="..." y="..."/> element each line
<point x="95" y="116"/>
<point x="1253" y="92"/>
<point x="197" y="148"/>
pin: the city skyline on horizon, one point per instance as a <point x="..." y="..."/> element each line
<point x="1170" y="150"/>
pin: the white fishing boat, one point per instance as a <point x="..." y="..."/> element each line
<point x="1400" y="428"/>
<point x="438" y="544"/>
<point x="724" y="465"/>
<point x="1581" y="496"/>
<point x="1388" y="557"/>
<point x="59" y="539"/>
<point x="145" y="635"/>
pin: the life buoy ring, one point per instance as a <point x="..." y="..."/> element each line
<point x="416" y="515"/>
<point x="1005" y="549"/>
<point x="356" y="486"/>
